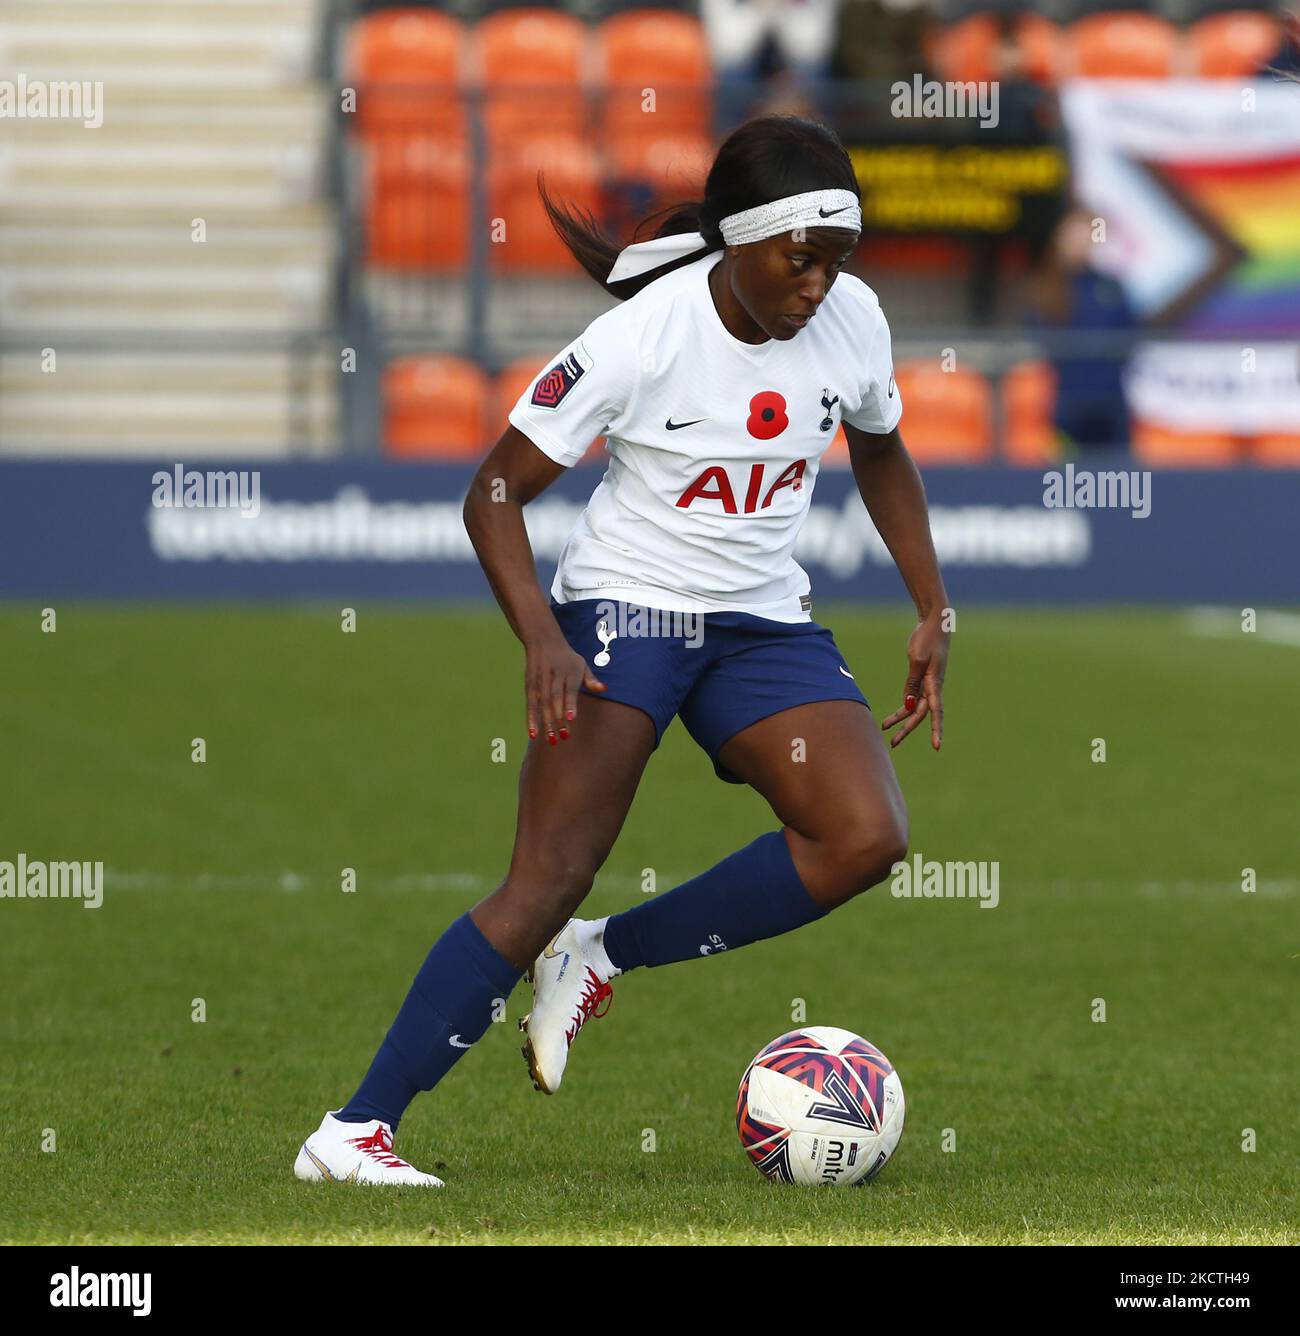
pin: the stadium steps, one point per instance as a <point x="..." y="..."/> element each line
<point x="156" y="403"/>
<point x="234" y="302"/>
<point x="134" y="269"/>
<point x="210" y="111"/>
<point x="238" y="43"/>
<point x="295" y="114"/>
<point x="198" y="180"/>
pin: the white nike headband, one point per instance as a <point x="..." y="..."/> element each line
<point x="814" y="208"/>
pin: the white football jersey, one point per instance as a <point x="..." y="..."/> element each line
<point x="713" y="444"/>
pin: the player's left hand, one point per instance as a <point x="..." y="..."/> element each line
<point x="927" y="661"/>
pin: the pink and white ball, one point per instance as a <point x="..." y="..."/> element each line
<point x="820" y="1105"/>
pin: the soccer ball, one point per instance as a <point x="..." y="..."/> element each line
<point x="820" y="1105"/>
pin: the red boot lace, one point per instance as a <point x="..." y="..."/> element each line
<point x="379" y="1146"/>
<point x="593" y="994"/>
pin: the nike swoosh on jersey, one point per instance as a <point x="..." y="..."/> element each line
<point x="677" y="426"/>
<point x="848" y="674"/>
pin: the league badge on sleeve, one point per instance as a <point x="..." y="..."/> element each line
<point x="550" y="390"/>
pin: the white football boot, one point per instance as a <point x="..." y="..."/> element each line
<point x="356" y="1153"/>
<point x="570" y="982"/>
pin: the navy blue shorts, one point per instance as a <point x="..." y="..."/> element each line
<point x="720" y="673"/>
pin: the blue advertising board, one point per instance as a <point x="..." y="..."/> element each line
<point x="375" y="529"/>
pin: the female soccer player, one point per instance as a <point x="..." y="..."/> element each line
<point x="718" y="383"/>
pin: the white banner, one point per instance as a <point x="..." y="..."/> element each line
<point x="1197" y="183"/>
<point x="1216" y="387"/>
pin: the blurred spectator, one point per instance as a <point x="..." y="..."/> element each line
<point x="1286" y="59"/>
<point x="776" y="52"/>
<point x="882" y="39"/>
<point x="1074" y="298"/>
<point x="1028" y="114"/>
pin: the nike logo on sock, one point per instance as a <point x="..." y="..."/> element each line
<point x="454" y="1041"/>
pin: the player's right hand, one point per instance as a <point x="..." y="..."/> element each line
<point x="553" y="675"/>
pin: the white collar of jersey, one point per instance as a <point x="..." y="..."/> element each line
<point x="811" y="209"/>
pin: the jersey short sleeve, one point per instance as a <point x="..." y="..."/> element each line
<point x="581" y="391"/>
<point x="880" y="407"/>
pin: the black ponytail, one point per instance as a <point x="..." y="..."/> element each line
<point x="765" y="159"/>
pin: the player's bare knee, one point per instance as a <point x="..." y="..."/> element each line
<point x="869" y="851"/>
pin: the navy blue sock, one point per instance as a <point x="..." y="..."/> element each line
<point x="752" y="894"/>
<point x="448" y="1008"/>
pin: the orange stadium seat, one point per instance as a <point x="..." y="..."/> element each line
<point x="968" y="49"/>
<point x="965" y="49"/>
<point x="435" y="408"/>
<point x="947" y="415"/>
<point x="1276" y="450"/>
<point x="1163" y="448"/>
<point x="509" y="384"/>
<point x="1041" y="43"/>
<point x="1121" y="46"/>
<point x="1028" y="394"/>
<point x="1232" y="46"/>
<point x="673" y="166"/>
<point x="571" y="169"/>
<point x="530" y="64"/>
<point x="418" y="203"/>
<point x="407" y="65"/>
<point x="664" y="52"/>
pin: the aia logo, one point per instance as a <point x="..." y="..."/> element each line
<point x="714" y="484"/>
<point x="767" y="419"/>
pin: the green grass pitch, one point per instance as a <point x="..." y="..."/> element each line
<point x="1120" y="881"/>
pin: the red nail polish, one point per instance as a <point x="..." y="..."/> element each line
<point x="910" y="703"/>
<point x="564" y="733"/>
<point x="568" y="714"/>
<point x="550" y="737"/>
